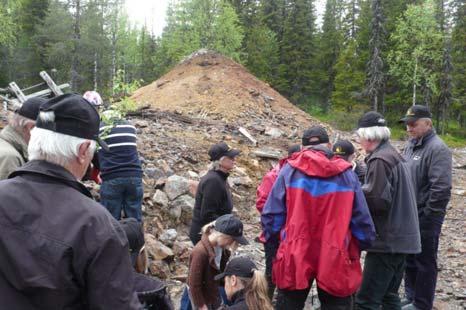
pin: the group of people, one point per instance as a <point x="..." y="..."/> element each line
<point x="319" y="209"/>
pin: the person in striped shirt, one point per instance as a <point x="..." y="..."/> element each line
<point x="120" y="169"/>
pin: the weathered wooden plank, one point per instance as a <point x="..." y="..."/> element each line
<point x="50" y="83"/>
<point x="18" y="93"/>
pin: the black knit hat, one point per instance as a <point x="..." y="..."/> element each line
<point x="372" y="119"/>
<point x="30" y="108"/>
<point x="240" y="266"/>
<point x="315" y="135"/>
<point x="73" y="116"/>
<point x="416" y="112"/>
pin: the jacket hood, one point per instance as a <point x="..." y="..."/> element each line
<point x="316" y="163"/>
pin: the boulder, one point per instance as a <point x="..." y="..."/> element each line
<point x="182" y="249"/>
<point x="156" y="249"/>
<point x="185" y="204"/>
<point x="273" y="132"/>
<point x="160" y="198"/>
<point x="176" y="186"/>
<point x="168" y="237"/>
<point x="159" y="269"/>
<point x="154" y="173"/>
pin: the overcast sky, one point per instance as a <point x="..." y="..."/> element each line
<point x="152" y="13"/>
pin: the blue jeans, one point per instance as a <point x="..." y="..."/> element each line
<point x="123" y="194"/>
<point x="421" y="269"/>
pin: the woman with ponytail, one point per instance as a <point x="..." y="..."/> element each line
<point x="245" y="286"/>
<point x="209" y="258"/>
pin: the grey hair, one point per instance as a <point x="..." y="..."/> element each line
<point x="375" y="133"/>
<point x="54" y="147"/>
<point x="215" y="165"/>
<point x="428" y="120"/>
<point x="19" y="122"/>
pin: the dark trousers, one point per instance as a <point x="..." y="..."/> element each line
<point x="270" y="249"/>
<point x="123" y="194"/>
<point x="381" y="280"/>
<point x="295" y="300"/>
<point x="421" y="269"/>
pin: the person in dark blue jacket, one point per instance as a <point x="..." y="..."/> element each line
<point x="120" y="168"/>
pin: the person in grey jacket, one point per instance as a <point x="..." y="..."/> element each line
<point x="391" y="199"/>
<point x="14" y="138"/>
<point x="59" y="248"/>
<point x="431" y="167"/>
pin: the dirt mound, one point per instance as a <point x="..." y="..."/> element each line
<point x="209" y="85"/>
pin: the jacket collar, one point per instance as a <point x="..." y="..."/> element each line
<point x="222" y="174"/>
<point x="49" y="170"/>
<point x="423" y="139"/>
<point x="16" y="140"/>
<point x="238" y="297"/>
<point x="210" y="250"/>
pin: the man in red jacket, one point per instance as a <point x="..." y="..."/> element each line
<point x="318" y="212"/>
<point x="270" y="248"/>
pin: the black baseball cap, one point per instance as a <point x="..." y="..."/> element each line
<point x="232" y="226"/>
<point x="416" y="112"/>
<point x="240" y="266"/>
<point x="30" y="108"/>
<point x="135" y="235"/>
<point x="343" y="148"/>
<point x="221" y="149"/>
<point x="73" y="116"/>
<point x="315" y="135"/>
<point x="372" y="119"/>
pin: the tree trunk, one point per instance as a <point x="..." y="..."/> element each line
<point x="95" y="71"/>
<point x="76" y="39"/>
<point x="414" y="82"/>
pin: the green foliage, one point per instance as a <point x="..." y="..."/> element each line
<point x="7" y="22"/>
<point x="349" y="81"/>
<point x="196" y="24"/>
<point x="416" y="51"/>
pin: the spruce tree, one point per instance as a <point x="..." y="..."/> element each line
<point x="375" y="74"/>
<point x="459" y="62"/>
<point x="299" y="49"/>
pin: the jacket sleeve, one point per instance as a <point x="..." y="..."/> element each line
<point x="109" y="276"/>
<point x="264" y="189"/>
<point x="8" y="164"/>
<point x="196" y="271"/>
<point x="274" y="214"/>
<point x="377" y="188"/>
<point x="212" y="199"/>
<point x="439" y="174"/>
<point x="361" y="225"/>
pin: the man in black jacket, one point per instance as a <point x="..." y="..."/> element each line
<point x="392" y="203"/>
<point x="431" y="164"/>
<point x="213" y="196"/>
<point x="59" y="248"/>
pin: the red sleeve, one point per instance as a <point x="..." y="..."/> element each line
<point x="264" y="188"/>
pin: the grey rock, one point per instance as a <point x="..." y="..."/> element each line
<point x="168" y="237"/>
<point x="154" y="173"/>
<point x="176" y="186"/>
<point x="156" y="249"/>
<point x="273" y="132"/>
<point x="160" y="198"/>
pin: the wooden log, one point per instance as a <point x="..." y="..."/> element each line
<point x="50" y="83"/>
<point x="245" y="133"/>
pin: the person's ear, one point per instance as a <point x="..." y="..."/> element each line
<point x="233" y="280"/>
<point x="83" y="151"/>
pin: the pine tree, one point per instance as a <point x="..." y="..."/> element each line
<point x="375" y="74"/>
<point x="329" y="48"/>
<point x="299" y="49"/>
<point x="459" y="62"/>
<point x="350" y="24"/>
<point x="349" y="80"/>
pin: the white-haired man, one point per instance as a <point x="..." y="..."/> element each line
<point x="430" y="162"/>
<point x="59" y="248"/>
<point x="14" y="138"/>
<point x="391" y="199"/>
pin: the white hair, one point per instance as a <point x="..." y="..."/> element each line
<point x="375" y="133"/>
<point x="54" y="147"/>
<point x="215" y="165"/>
<point x="19" y="122"/>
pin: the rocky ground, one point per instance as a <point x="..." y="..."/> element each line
<point x="206" y="99"/>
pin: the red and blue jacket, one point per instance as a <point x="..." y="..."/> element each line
<point x="317" y="210"/>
